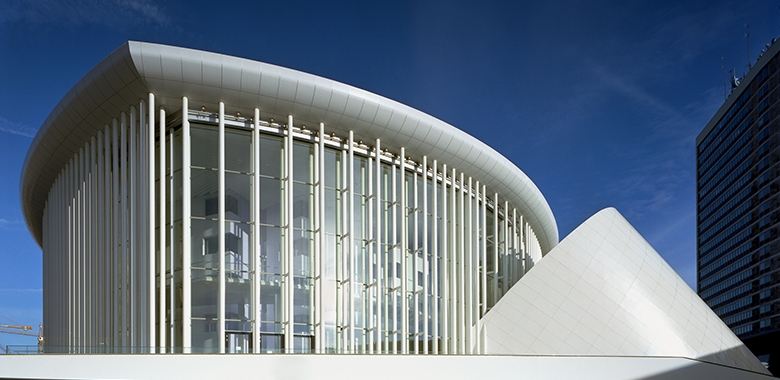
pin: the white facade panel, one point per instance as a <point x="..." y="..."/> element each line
<point x="605" y="291"/>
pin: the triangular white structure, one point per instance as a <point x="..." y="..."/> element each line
<point x="604" y="291"/>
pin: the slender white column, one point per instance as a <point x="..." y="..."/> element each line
<point x="496" y="242"/>
<point x="221" y="254"/>
<point x="320" y="240"/>
<point x="170" y="228"/>
<point x="425" y="299"/>
<point x="81" y="251"/>
<point x="255" y="227"/>
<point x="162" y="236"/>
<point x="123" y="235"/>
<point x="351" y="241"/>
<point x="342" y="266"/>
<point x="367" y="241"/>
<point x="72" y="256"/>
<point x="289" y="313"/>
<point x="116" y="232"/>
<point x="65" y="260"/>
<point x="455" y="279"/>
<point x="462" y="280"/>
<point x="143" y="230"/>
<point x="94" y="251"/>
<point x="152" y="302"/>
<point x="404" y="253"/>
<point x="86" y="249"/>
<point x="470" y="264"/>
<point x="62" y="262"/>
<point x="435" y="259"/>
<point x="70" y="244"/>
<point x="53" y="286"/>
<point x="445" y="272"/>
<point x="132" y="281"/>
<point x="54" y="289"/>
<point x="380" y="294"/>
<point x="100" y="235"/>
<point x="482" y="253"/>
<point x="503" y="252"/>
<point x="76" y="249"/>
<point x="518" y="254"/>
<point x="75" y="258"/>
<point x="414" y="331"/>
<point x="523" y="263"/>
<point x="506" y="252"/>
<point x="84" y="242"/>
<point x="394" y="256"/>
<point x="107" y="242"/>
<point x="186" y="223"/>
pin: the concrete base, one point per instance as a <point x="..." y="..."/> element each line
<point x="345" y="367"/>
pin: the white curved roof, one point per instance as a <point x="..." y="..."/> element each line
<point x="604" y="291"/>
<point x="136" y="68"/>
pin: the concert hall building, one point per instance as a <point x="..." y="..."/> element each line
<point x="196" y="203"/>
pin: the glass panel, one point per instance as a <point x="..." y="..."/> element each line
<point x="302" y="252"/>
<point x="270" y="249"/>
<point x="238" y="296"/>
<point x="237" y="251"/>
<point x="205" y="289"/>
<point x="271" y="153"/>
<point x="271" y="344"/>
<point x="332" y="168"/>
<point x="238" y="150"/>
<point x="177" y="238"/>
<point x="302" y="344"/>
<point x="303" y="156"/>
<point x="329" y="342"/>
<point x="303" y="300"/>
<point x="237" y="343"/>
<point x="205" y="146"/>
<point x="270" y="201"/>
<point x="270" y="312"/>
<point x="205" y="184"/>
<point x="237" y="195"/>
<point x="303" y="205"/>
<point x="332" y="211"/>
<point x="177" y="204"/>
<point x="361" y="175"/>
<point x="205" y="243"/>
<point x="205" y="338"/>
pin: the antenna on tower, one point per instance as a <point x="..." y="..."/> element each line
<point x="725" y="88"/>
<point x="747" y="34"/>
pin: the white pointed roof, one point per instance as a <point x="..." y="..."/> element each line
<point x="604" y="291"/>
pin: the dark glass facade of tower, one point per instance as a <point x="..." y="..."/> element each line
<point x="738" y="210"/>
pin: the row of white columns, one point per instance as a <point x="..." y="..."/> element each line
<point x="106" y="274"/>
<point x="96" y="248"/>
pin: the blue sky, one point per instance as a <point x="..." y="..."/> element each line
<point x="598" y="103"/>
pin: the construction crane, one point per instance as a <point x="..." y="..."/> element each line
<point x="23" y="330"/>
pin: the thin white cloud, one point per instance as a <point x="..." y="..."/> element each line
<point x="11" y="225"/>
<point x="21" y="290"/>
<point x="111" y="13"/>
<point x="14" y="128"/>
<point x="628" y="87"/>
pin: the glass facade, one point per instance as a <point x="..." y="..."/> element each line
<point x="268" y="237"/>
<point x="737" y="208"/>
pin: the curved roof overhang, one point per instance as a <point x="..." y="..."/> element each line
<point x="133" y="70"/>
